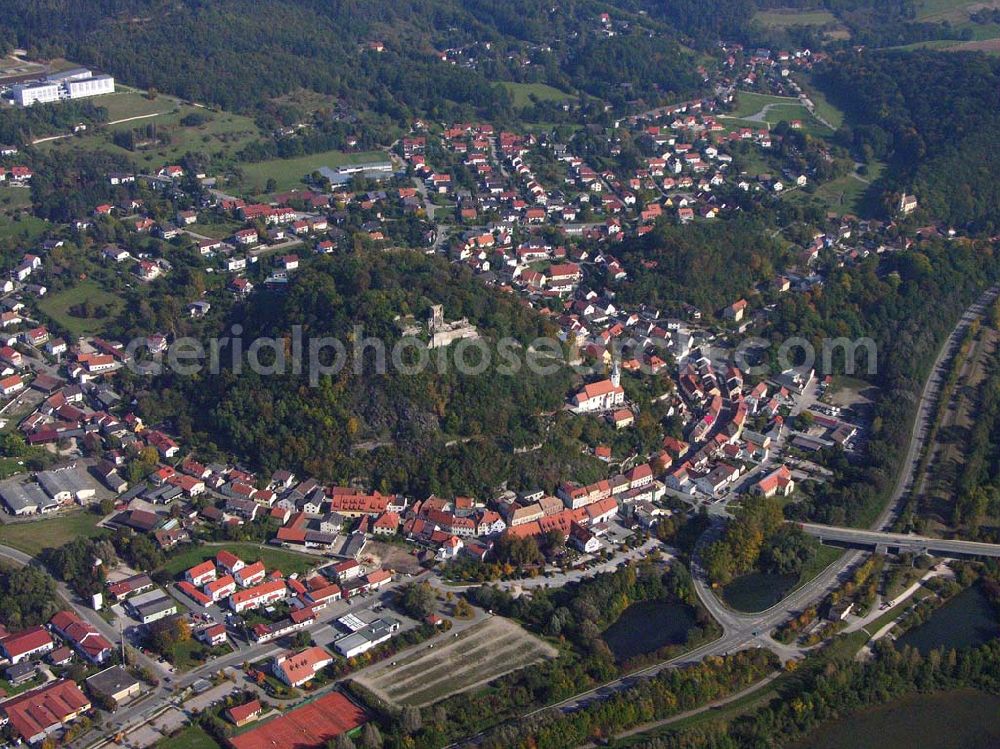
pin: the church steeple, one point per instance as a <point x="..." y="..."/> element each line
<point x="616" y="374"/>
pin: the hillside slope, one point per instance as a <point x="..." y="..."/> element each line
<point x="239" y="53"/>
<point x="359" y="422"/>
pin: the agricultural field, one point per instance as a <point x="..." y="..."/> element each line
<point x="288" y="173"/>
<point x="523" y="93"/>
<point x="66" y="307"/>
<point x="477" y="656"/>
<point x="953" y="11"/>
<point x="783" y="18"/>
<point x="957" y="13"/>
<point x="33" y="536"/>
<point x="273" y="558"/>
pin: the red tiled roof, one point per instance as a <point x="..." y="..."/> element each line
<point x="239" y="713"/>
<point x="201" y="569"/>
<point x="257" y="591"/>
<point x="25" y="641"/>
<point x="226" y="559"/>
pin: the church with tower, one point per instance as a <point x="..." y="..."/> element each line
<point x="600" y="396"/>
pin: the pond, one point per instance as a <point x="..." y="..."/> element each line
<point x="961" y="718"/>
<point x="967" y="620"/>
<point x="647" y="626"/>
<point x="757" y="591"/>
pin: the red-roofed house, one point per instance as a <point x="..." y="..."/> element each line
<point x="229" y="561"/>
<point x="201" y="573"/>
<point x="221" y="588"/>
<point x="296" y="669"/>
<point x="240" y="715"/>
<point x="26" y="643"/>
<point x="386" y="524"/>
<point x="260" y="595"/>
<point x="776" y="482"/>
<point x="84" y="638"/>
<point x="251" y="574"/>
<point x="41" y="712"/>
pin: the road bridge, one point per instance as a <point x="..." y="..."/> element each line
<point x="898" y="543"/>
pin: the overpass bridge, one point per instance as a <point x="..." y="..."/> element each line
<point x="897" y="543"/>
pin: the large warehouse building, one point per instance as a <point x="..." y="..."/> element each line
<point x="78" y="83"/>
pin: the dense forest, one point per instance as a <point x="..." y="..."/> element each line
<point x="935" y="118"/>
<point x="707" y="264"/>
<point x="391" y="426"/>
<point x="238" y="54"/>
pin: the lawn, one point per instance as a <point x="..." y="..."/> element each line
<point x="216" y="230"/>
<point x="288" y="173"/>
<point x="523" y="93"/>
<point x="759" y="110"/>
<point x="13" y="198"/>
<point x="128" y="103"/>
<point x="273" y="558"/>
<point x="844" y="194"/>
<point x="782" y="18"/>
<point x="824" y="107"/>
<point x="223" y="134"/>
<point x="192" y="737"/>
<point x="34" y="535"/>
<point x="749" y="103"/>
<point x="191" y="653"/>
<point x="58" y="304"/>
<point x="23" y="227"/>
<point x="954" y="11"/>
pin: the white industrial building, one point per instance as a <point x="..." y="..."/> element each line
<point x="78" y="83"/>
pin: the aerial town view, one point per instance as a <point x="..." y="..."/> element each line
<point x="501" y="375"/>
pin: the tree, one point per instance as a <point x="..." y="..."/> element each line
<point x="462" y="609"/>
<point x="417" y="599"/>
<point x="371" y="737"/>
<point x="13" y="445"/>
<point x="342" y="741"/>
<point x="411" y="720"/>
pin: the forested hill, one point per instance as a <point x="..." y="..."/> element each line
<point x="935" y="117"/>
<point x="239" y="53"/>
<point x="391" y="427"/>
